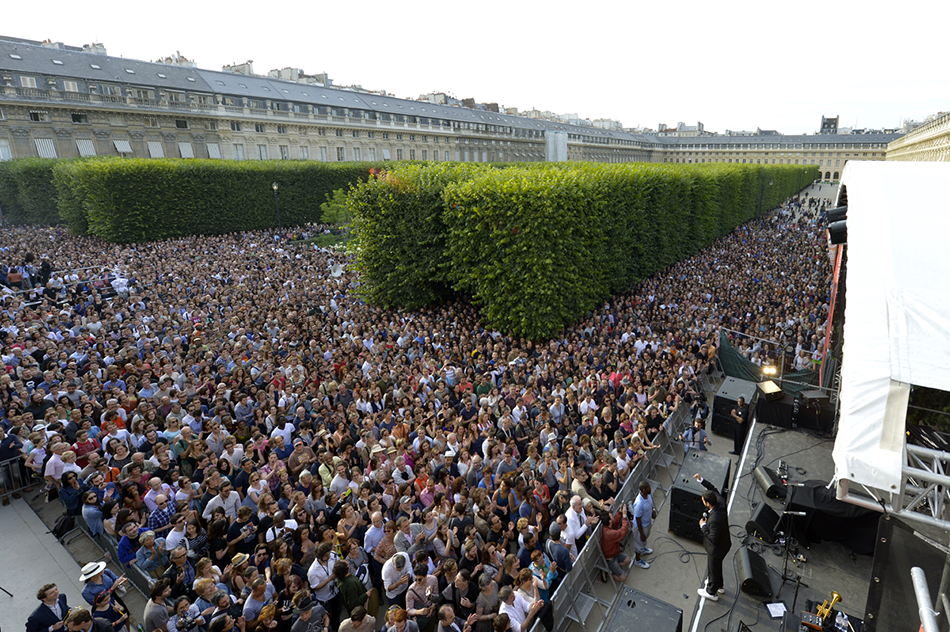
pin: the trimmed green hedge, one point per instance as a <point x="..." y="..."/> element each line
<point x="133" y="200"/>
<point x="537" y="247"/>
<point x="27" y="194"/>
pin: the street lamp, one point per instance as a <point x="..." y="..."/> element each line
<point x="274" y="186"/>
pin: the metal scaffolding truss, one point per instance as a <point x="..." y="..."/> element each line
<point x="924" y="492"/>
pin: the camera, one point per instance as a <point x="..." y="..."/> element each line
<point x="186" y="623"/>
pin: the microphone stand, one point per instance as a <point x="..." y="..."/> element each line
<point x="786" y="578"/>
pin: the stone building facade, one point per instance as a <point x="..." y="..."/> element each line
<point x="62" y="101"/>
<point x="929" y="142"/>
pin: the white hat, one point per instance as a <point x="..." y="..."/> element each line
<point x="91" y="569"/>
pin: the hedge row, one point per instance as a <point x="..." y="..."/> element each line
<point x="537" y="247"/>
<point x="132" y="200"/>
<point x="27" y="194"/>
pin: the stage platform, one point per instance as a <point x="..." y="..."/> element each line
<point x="678" y="565"/>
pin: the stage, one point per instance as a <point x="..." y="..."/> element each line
<point x="678" y="564"/>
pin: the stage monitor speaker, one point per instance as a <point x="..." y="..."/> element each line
<point x="753" y="574"/>
<point x="814" y="396"/>
<point x="639" y="611"/>
<point x="770" y="391"/>
<point x="769" y="482"/>
<point x="763" y="524"/>
<point x="723" y="425"/>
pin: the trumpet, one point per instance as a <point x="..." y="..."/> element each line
<point x="824" y="610"/>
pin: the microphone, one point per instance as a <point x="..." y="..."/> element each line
<point x="794" y="513"/>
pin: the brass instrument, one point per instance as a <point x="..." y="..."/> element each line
<point x="825" y="609"/>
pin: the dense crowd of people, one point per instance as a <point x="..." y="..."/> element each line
<point x="275" y="454"/>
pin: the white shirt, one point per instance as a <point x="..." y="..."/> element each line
<point x="391" y="575"/>
<point x="517" y="611"/>
<point x="319" y="573"/>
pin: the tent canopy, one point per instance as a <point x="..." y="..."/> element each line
<point x="897" y="315"/>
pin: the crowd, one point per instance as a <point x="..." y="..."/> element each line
<point x="277" y="455"/>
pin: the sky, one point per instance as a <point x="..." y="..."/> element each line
<point x="733" y="65"/>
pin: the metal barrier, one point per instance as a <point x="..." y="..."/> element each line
<point x="14" y="477"/>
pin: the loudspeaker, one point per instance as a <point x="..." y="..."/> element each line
<point x="769" y="482"/>
<point x="753" y="574"/>
<point x="639" y="611"/>
<point x="763" y="524"/>
<point x="686" y="526"/>
<point x="770" y="391"/>
<point x="686" y="494"/>
<point x="726" y="399"/>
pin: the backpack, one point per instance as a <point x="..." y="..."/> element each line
<point x="63" y="525"/>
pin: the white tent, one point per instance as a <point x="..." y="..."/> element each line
<point x="897" y="314"/>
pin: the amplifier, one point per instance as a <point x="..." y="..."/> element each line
<point x="770" y="391"/>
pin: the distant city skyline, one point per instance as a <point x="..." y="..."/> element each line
<point x="736" y="67"/>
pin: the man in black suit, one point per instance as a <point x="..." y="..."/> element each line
<point x="81" y="620"/>
<point x="716" y="539"/>
<point x="48" y="617"/>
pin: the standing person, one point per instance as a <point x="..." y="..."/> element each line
<point x="741" y="416"/>
<point x="323" y="582"/>
<point x="716" y="539"/>
<point x="311" y="617"/>
<point x="615" y="530"/>
<point x="156" y="610"/>
<point x="49" y="615"/>
<point x="695" y="437"/>
<point x="81" y="620"/>
<point x="643" y="516"/>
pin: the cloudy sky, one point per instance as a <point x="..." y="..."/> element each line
<point x="733" y="65"/>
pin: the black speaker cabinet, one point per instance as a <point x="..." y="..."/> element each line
<point x="769" y="482"/>
<point x="686" y="495"/>
<point x="686" y="526"/>
<point x="763" y="523"/>
<point x="639" y="611"/>
<point x="753" y="574"/>
<point x="726" y="399"/>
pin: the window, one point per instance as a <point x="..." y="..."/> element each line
<point x="155" y="149"/>
<point x="425" y="139"/>
<point x="356" y="133"/>
<point x="424" y="155"/>
<point x="211" y="125"/>
<point x="181" y="123"/>
<point x="70" y="86"/>
<point x="398" y="154"/>
<point x="151" y="122"/>
<point x="370" y="134"/>
<point x="177" y="97"/>
<point x="385" y="135"/>
<point x="95" y="66"/>
<point x="339" y="132"/>
<point x="79" y="117"/>
<point x="162" y="76"/>
<point x="235" y="126"/>
<point x="323" y="154"/>
<point x="281" y="129"/>
<point x="259" y="128"/>
<point x="186" y="150"/>
<point x="284" y="152"/>
<point x="214" y="151"/>
<point x="45" y="147"/>
<point x="142" y="94"/>
<point x="37" y="117"/>
<point x="340" y="154"/>
<point x="304" y="152"/>
<point x="321" y="131"/>
<point x="130" y="71"/>
<point x="356" y="153"/>
<point x="14" y="56"/>
<point x="86" y="147"/>
<point x="398" y="136"/>
<point x="28" y="82"/>
<point x="262" y="152"/>
<point x="238" y="151"/>
<point x="412" y="137"/>
<point x="435" y="154"/>
<point x="412" y="154"/>
<point x="5" y="153"/>
<point x="372" y="154"/>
